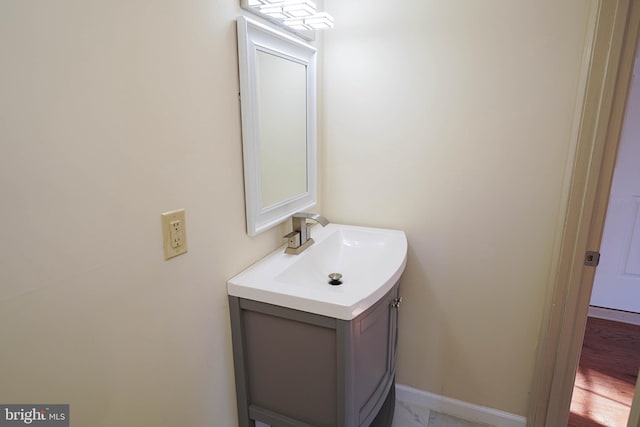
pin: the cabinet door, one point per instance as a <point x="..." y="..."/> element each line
<point x="374" y="342"/>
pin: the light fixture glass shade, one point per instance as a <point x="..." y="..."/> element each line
<point x="297" y="23"/>
<point x="299" y="8"/>
<point x="274" y="11"/>
<point x="319" y="20"/>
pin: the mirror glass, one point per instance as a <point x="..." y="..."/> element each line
<point x="278" y="96"/>
<point x="282" y="101"/>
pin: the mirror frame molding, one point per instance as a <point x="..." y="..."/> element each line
<point x="253" y="37"/>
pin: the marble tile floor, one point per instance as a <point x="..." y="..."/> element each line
<point x="411" y="415"/>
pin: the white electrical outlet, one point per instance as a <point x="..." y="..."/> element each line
<point x="174" y="234"/>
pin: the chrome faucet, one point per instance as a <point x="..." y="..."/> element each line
<point x="300" y="238"/>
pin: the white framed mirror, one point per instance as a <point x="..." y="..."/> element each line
<point x="278" y="106"/>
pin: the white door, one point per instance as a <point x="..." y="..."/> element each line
<point x="617" y="280"/>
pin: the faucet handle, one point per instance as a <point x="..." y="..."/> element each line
<point x="293" y="239"/>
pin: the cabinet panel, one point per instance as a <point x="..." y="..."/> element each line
<point x="373" y="355"/>
<point x="292" y="368"/>
<point x="374" y="339"/>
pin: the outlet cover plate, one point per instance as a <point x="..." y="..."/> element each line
<point x="173" y="224"/>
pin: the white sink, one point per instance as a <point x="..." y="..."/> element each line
<point x="370" y="260"/>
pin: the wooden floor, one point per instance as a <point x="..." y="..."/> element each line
<point x="607" y="374"/>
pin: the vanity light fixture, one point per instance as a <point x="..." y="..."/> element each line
<point x="294" y="14"/>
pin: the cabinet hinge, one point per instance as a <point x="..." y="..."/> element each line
<point x="592" y="258"/>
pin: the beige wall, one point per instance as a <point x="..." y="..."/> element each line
<point x="453" y="121"/>
<point x="112" y="112"/>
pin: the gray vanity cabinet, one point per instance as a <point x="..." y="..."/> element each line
<point x="297" y="369"/>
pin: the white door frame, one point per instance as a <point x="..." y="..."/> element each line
<point x="607" y="69"/>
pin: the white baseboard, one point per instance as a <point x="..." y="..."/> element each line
<point x="615" y="315"/>
<point x="458" y="408"/>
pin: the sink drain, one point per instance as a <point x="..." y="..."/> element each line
<point x="335" y="279"/>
